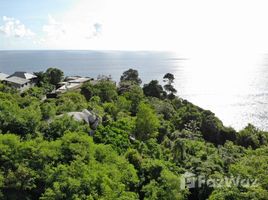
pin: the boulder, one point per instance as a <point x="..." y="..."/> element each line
<point x="87" y="116"/>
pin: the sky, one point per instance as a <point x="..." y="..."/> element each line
<point x="185" y="26"/>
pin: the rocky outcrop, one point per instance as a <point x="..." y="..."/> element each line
<point x="87" y="116"/>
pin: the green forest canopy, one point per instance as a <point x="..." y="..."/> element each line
<point x="148" y="139"/>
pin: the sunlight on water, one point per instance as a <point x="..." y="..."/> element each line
<point x="234" y="87"/>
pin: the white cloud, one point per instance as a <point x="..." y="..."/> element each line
<point x="67" y="33"/>
<point x="54" y="29"/>
<point x="14" y="28"/>
<point x="186" y="26"/>
<point x="98" y="29"/>
<point x="94" y="30"/>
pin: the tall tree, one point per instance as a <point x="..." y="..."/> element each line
<point x="135" y="95"/>
<point x="105" y="89"/>
<point x="169" y="79"/>
<point x="54" y="75"/>
<point x="154" y="89"/>
<point x="147" y="122"/>
<point x="132" y="76"/>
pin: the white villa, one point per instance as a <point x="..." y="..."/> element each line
<point x="20" y="80"/>
<point x="72" y="83"/>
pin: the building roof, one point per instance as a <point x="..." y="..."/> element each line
<point x="17" y="80"/>
<point x="3" y="76"/>
<point x="24" y="75"/>
<point x="79" y="80"/>
<point x="70" y="86"/>
<point x="71" y="78"/>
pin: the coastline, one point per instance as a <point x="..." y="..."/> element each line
<point x="237" y="104"/>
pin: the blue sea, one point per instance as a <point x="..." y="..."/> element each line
<point x="236" y="90"/>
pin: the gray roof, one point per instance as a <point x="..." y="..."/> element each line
<point x="3" y="76"/>
<point x="24" y="75"/>
<point x="17" y="80"/>
<point x="79" y="80"/>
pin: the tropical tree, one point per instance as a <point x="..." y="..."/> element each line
<point x="169" y="79"/>
<point x="147" y="122"/>
<point x="132" y="76"/>
<point x="135" y="95"/>
<point x="105" y="89"/>
<point x="54" y="76"/>
<point x="154" y="89"/>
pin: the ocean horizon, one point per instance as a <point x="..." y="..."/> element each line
<point x="236" y="97"/>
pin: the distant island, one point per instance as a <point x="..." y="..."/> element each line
<point x="82" y="138"/>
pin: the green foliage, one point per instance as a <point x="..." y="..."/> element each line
<point x="214" y="131"/>
<point x="135" y="96"/>
<point x="53" y="76"/>
<point x="250" y="136"/>
<point x="105" y="89"/>
<point x="123" y="104"/>
<point x="117" y="134"/>
<point x="36" y="92"/>
<point x="169" y="78"/>
<point x="48" y="110"/>
<point x="249" y="166"/>
<point x="147" y="122"/>
<point x="49" y="79"/>
<point x="71" y="101"/>
<point x="111" y="109"/>
<point x="18" y="120"/>
<point x="6" y="89"/>
<point x="117" y="109"/>
<point x="89" y="90"/>
<point x="159" y="182"/>
<point x="150" y="148"/>
<point x="132" y="76"/>
<point x="187" y="115"/>
<point x="166" y="188"/>
<point x="96" y="106"/>
<point x="179" y="150"/>
<point x="58" y="126"/>
<point x="253" y="165"/>
<point x="73" y="167"/>
<point x="231" y="153"/>
<point x="165" y="129"/>
<point x="226" y="194"/>
<point x="144" y="143"/>
<point x="197" y="156"/>
<point x="163" y="107"/>
<point x="154" y="89"/>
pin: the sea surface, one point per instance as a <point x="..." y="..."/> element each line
<point x="235" y="88"/>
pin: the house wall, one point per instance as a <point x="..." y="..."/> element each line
<point x="26" y="87"/>
<point x="22" y="87"/>
<point x="19" y="87"/>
